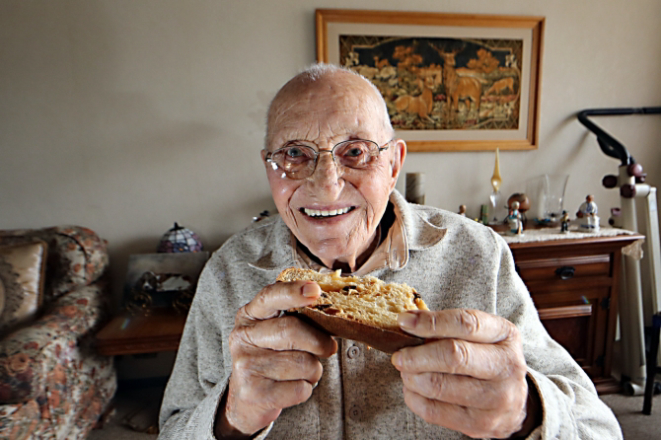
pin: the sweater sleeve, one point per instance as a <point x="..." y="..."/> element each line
<point x="203" y="365"/>
<point x="571" y="407"/>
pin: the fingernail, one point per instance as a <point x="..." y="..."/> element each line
<point x="407" y="320"/>
<point x="396" y="359"/>
<point x="310" y="290"/>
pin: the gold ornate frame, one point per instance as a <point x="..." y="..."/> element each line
<point x="461" y="83"/>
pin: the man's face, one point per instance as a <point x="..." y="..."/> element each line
<point x="330" y="111"/>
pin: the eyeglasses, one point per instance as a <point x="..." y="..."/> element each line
<point x="298" y="160"/>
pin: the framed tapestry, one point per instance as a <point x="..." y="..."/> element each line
<point x="452" y="82"/>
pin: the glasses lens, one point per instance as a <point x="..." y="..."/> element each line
<point x="297" y="161"/>
<point x="356" y="154"/>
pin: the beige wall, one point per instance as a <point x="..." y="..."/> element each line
<point x="125" y="116"/>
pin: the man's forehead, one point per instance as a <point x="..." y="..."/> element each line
<point x="308" y="123"/>
<point x="325" y="108"/>
<point x="341" y="92"/>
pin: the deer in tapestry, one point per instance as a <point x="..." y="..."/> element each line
<point x="460" y="85"/>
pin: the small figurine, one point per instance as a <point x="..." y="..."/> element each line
<point x="587" y="214"/>
<point x="462" y="210"/>
<point x="262" y="215"/>
<point x="564" y="223"/>
<point x="514" y="219"/>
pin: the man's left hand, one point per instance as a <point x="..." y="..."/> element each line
<point x="469" y="376"/>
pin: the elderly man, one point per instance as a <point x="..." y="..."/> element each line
<point x="245" y="369"/>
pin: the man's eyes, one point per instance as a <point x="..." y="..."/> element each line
<point x="294" y="152"/>
<point x="353" y="149"/>
<point x="353" y="152"/>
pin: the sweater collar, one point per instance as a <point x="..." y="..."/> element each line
<point x="411" y="231"/>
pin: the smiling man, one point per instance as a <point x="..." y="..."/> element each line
<point x="336" y="167"/>
<point x="247" y="370"/>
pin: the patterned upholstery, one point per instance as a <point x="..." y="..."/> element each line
<point x="52" y="383"/>
<point x="22" y="274"/>
<point x="76" y="256"/>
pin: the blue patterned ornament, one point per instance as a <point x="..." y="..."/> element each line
<point x="179" y="239"/>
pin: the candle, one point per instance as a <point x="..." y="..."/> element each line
<point x="415" y="188"/>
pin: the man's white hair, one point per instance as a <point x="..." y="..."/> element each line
<point x="314" y="73"/>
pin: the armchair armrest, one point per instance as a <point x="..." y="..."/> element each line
<point x="29" y="355"/>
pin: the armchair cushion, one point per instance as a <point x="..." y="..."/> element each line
<point x="31" y="355"/>
<point x="76" y="256"/>
<point x="22" y="268"/>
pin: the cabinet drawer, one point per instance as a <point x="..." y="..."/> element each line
<point x="571" y="326"/>
<point x="553" y="269"/>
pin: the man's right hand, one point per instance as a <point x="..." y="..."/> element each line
<point x="275" y="360"/>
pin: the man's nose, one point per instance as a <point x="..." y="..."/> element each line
<point x="327" y="173"/>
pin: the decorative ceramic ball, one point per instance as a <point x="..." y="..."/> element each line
<point x="179" y="239"/>
<point x="524" y="203"/>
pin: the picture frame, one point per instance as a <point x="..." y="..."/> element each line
<point x="175" y="268"/>
<point x="452" y="82"/>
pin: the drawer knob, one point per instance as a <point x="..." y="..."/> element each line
<point x="565" y="272"/>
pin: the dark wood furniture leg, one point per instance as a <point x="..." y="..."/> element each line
<point x="651" y="364"/>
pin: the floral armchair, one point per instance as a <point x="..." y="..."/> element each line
<point x="52" y="383"/>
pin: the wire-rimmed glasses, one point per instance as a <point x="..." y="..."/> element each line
<point x="298" y="159"/>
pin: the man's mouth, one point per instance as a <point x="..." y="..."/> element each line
<point x="315" y="213"/>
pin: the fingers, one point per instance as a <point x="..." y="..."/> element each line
<point x="467" y="324"/>
<point x="286" y="333"/>
<point x="469" y="376"/>
<point x="455" y="356"/>
<point x="280" y="366"/>
<point x="277" y="297"/>
<point x="465" y="391"/>
<point x="253" y="404"/>
<point x="274" y="359"/>
<point x="474" y="422"/>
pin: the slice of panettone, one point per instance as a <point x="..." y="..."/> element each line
<point x="360" y="308"/>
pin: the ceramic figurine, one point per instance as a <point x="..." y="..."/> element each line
<point x="524" y="204"/>
<point x="462" y="210"/>
<point x="587" y="215"/>
<point x="514" y="219"/>
<point x="262" y="215"/>
<point x="564" y="222"/>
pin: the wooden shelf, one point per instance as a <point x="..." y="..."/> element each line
<point x="136" y="334"/>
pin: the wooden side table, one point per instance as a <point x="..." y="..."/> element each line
<point x="138" y="334"/>
<point x="128" y="334"/>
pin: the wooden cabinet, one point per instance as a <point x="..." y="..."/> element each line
<point x="575" y="285"/>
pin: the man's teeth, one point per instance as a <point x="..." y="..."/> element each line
<point x="317" y="213"/>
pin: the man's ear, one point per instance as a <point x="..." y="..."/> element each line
<point x="398" y="157"/>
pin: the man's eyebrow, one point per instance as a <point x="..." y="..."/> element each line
<point x="299" y="141"/>
<point x="349" y="136"/>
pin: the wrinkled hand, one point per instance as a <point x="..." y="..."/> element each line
<point x="469" y="376"/>
<point x="275" y="361"/>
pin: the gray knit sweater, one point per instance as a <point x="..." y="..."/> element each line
<point x="453" y="262"/>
